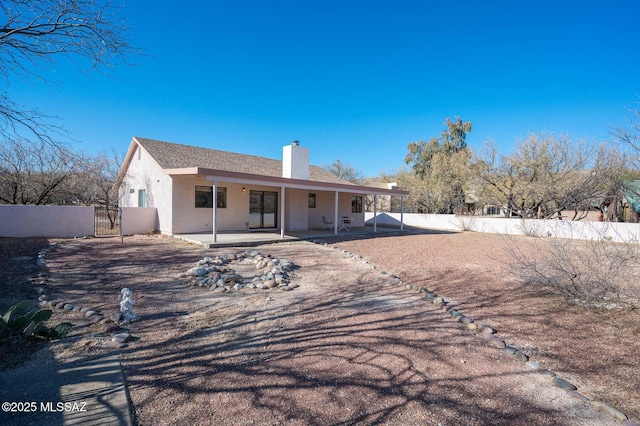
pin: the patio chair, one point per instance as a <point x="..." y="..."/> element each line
<point x="327" y="223"/>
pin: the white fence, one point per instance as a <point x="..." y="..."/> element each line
<point x="138" y="220"/>
<point x="68" y="221"/>
<point x="615" y="231"/>
<point x="46" y="221"/>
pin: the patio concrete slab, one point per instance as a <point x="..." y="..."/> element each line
<point x="250" y="238"/>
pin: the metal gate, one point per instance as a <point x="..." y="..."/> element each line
<point x="107" y="221"/>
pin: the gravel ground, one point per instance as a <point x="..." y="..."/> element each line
<point x="350" y="345"/>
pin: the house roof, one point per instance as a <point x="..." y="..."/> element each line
<point x="177" y="156"/>
<point x="179" y="159"/>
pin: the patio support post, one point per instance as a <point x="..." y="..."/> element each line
<point x="375" y="213"/>
<point x="335" y="215"/>
<point x="214" y="224"/>
<point x="282" y="189"/>
<point x="402" y="212"/>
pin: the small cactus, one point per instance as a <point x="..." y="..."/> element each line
<point x="60" y="331"/>
<point x="22" y="319"/>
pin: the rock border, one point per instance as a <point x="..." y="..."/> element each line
<point x="489" y="335"/>
<point x="118" y="335"/>
<point x="216" y="275"/>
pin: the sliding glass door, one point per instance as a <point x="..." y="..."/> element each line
<point x="263" y="209"/>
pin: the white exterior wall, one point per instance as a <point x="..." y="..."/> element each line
<point x="187" y="218"/>
<point x="296" y="209"/>
<point x="46" y="221"/>
<point x="138" y="220"/>
<point x="345" y="209"/>
<point x="616" y="231"/>
<point x="325" y="206"/>
<point x="145" y="173"/>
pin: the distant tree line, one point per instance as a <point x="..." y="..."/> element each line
<point x="545" y="175"/>
<point x="39" y="173"/>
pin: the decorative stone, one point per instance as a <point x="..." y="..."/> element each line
<point x="486" y="329"/>
<point x="285" y="288"/>
<point x="96" y="319"/>
<point x="563" y="384"/>
<point x="60" y="305"/>
<point x="270" y="283"/>
<point x="238" y="286"/>
<point x="261" y="286"/>
<point x="219" y="290"/>
<point x="613" y="412"/>
<point x="546" y="372"/>
<point x="465" y="320"/>
<point x="510" y="350"/>
<point x="76" y="308"/>
<point x="198" y="271"/>
<point x="110" y="328"/>
<point x="68" y="306"/>
<point x="438" y="300"/>
<point x="472" y="326"/>
<point x="495" y="342"/>
<point x="120" y="337"/>
<point x="521" y="357"/>
<point x="89" y="314"/>
<point x="116" y="317"/>
<point x="85" y="309"/>
<point x="579" y="396"/>
<point x="454" y="313"/>
<point x="533" y="365"/>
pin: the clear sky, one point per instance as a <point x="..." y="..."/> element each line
<point x="354" y="80"/>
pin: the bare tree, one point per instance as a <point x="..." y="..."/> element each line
<point x="35" y="33"/>
<point x="34" y="173"/>
<point x="344" y="171"/>
<point x="101" y="174"/>
<point x="547" y="175"/>
<point x="630" y="134"/>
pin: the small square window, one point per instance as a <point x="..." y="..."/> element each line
<point x="204" y="197"/>
<point x="356" y="204"/>
<point x="312" y="201"/>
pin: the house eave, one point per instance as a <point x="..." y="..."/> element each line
<point x="248" y="178"/>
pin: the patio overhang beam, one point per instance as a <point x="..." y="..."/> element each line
<point x="245" y="178"/>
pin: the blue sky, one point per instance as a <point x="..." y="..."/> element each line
<point x="354" y="80"/>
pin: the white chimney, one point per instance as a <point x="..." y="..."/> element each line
<point x="295" y="161"/>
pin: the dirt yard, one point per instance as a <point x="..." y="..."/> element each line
<point x="349" y="345"/>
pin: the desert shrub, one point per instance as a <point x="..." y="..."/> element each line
<point x="597" y="272"/>
<point x="465" y="222"/>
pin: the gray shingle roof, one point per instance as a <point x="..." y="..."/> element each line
<point x="176" y="156"/>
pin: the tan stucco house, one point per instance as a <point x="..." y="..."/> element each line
<point x="250" y="193"/>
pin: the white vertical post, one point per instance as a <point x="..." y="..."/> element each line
<point x="402" y="212"/>
<point x="214" y="222"/>
<point x="335" y="215"/>
<point x="375" y="213"/>
<point x="282" y="189"/>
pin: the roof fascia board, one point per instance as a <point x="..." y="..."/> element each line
<point x="246" y="178"/>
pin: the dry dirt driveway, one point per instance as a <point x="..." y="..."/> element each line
<point x="349" y="346"/>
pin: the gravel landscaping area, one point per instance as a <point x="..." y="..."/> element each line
<point x="347" y="342"/>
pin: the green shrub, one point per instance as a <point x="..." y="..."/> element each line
<point x="23" y="319"/>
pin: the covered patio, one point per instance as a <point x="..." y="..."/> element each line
<point x="251" y="238"/>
